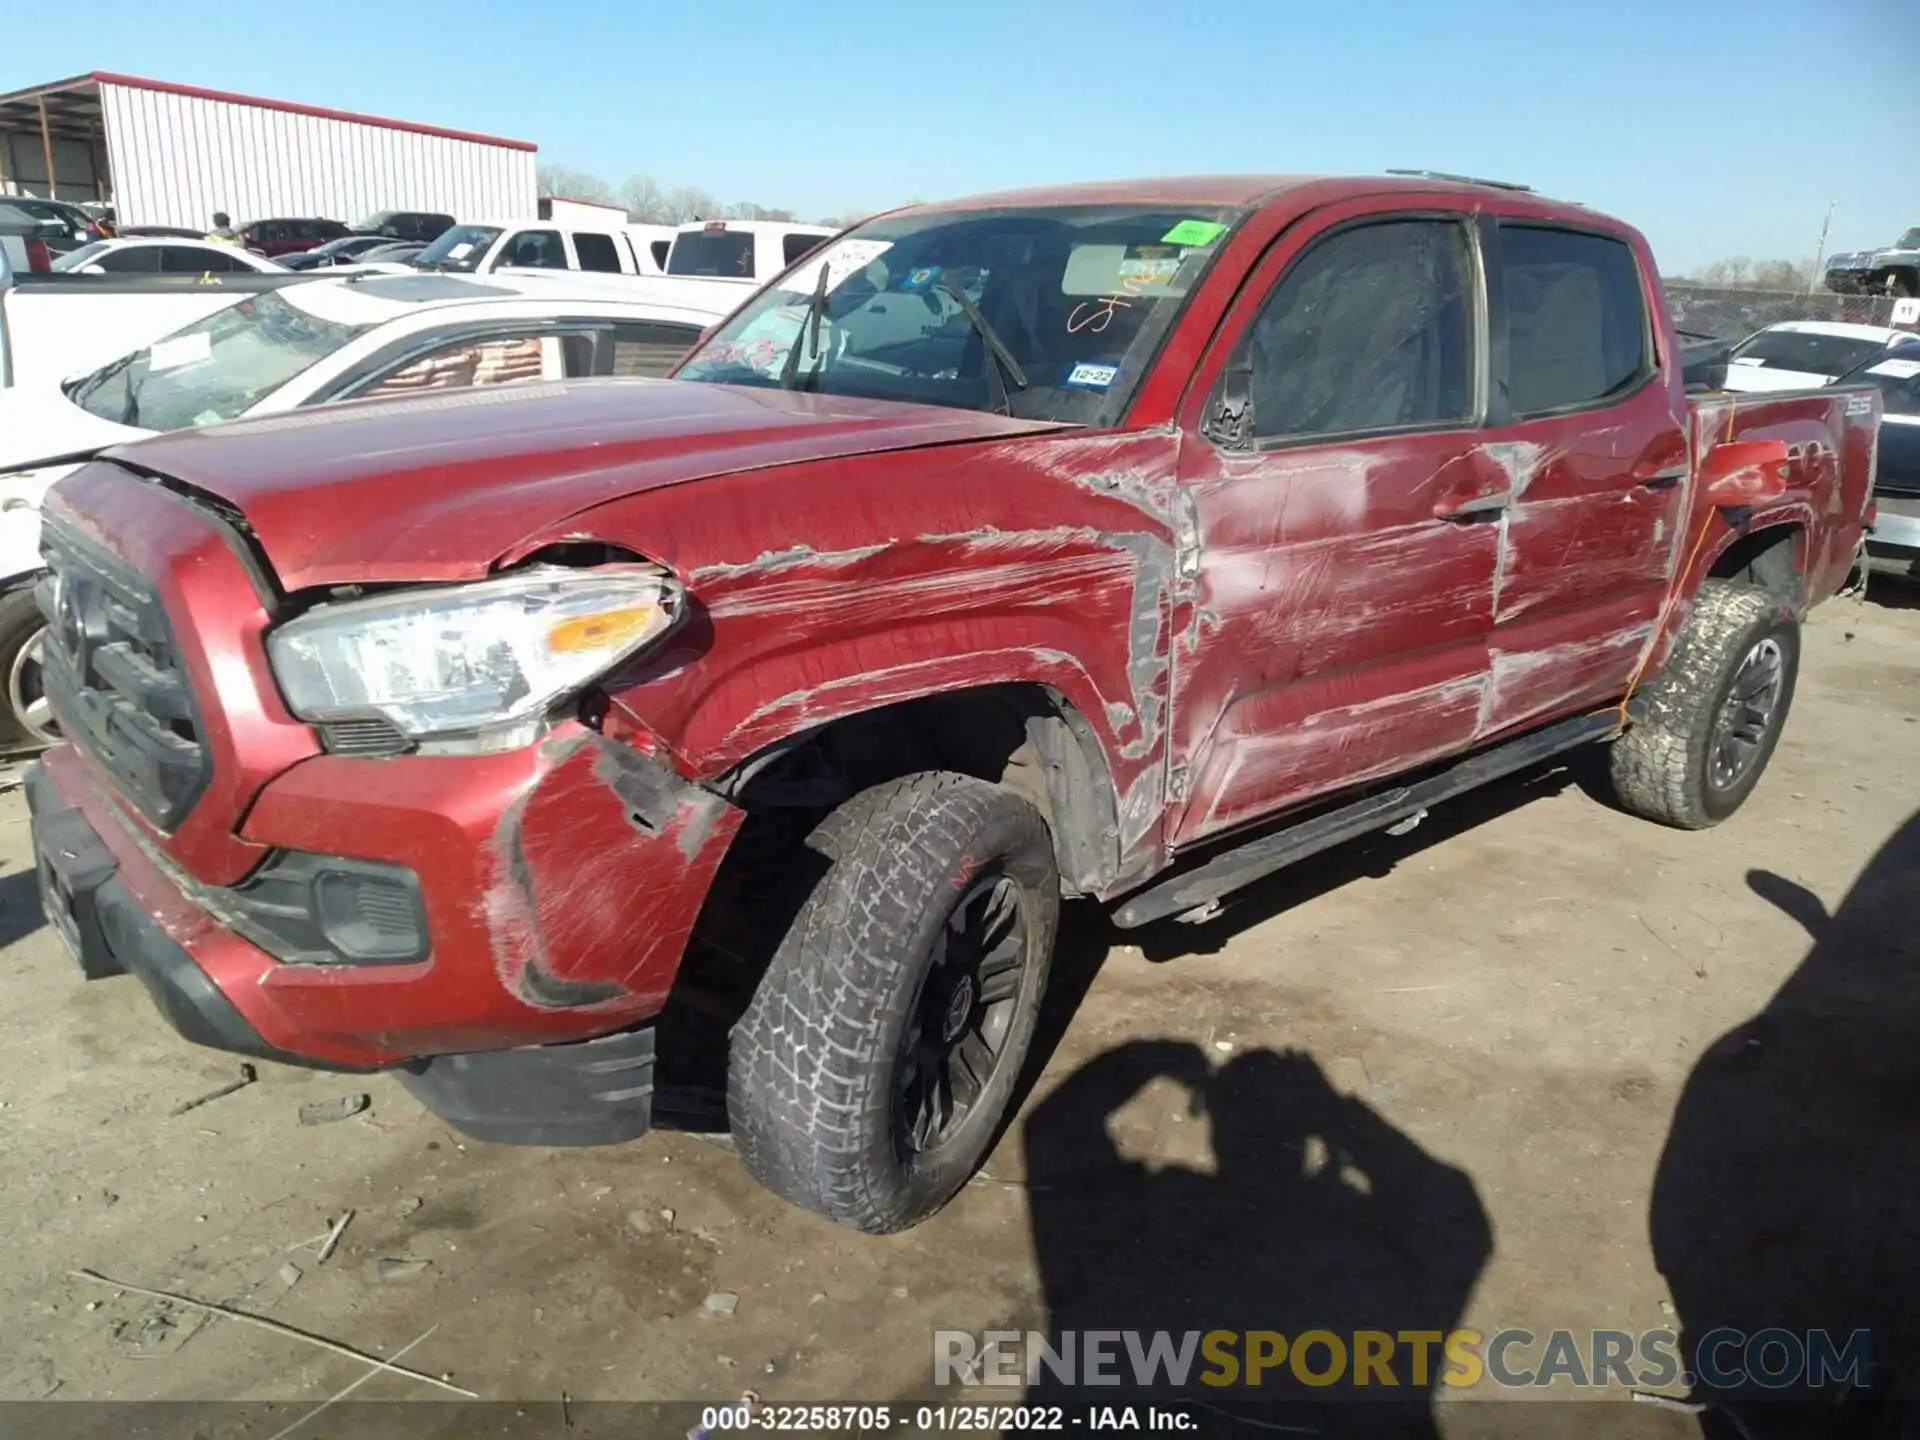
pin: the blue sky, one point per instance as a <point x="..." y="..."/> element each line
<point x="1718" y="129"/>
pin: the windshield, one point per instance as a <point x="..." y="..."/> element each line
<point x="348" y="245"/>
<point x="461" y="248"/>
<point x="1899" y="382"/>
<point x="1909" y="241"/>
<point x="1078" y="296"/>
<point x="727" y="253"/>
<point x="74" y="259"/>
<point x="215" y="369"/>
<point x="1810" y="353"/>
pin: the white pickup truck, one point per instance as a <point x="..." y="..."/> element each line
<point x="722" y="262"/>
<point x="747" y="252"/>
<point x="324" y="340"/>
<point x="483" y="247"/>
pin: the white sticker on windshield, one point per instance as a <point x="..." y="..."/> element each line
<point x="181" y="350"/>
<point x="461" y="251"/>
<point x="1748" y="360"/>
<point x="208" y="417"/>
<point x="1907" y="311"/>
<point x="1088" y="375"/>
<point x="842" y="259"/>
<point x="1898" y="369"/>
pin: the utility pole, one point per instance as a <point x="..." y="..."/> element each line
<point x="1820" y="250"/>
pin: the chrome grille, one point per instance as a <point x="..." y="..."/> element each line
<point x="114" y="675"/>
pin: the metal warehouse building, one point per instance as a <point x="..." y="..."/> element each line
<point x="166" y="154"/>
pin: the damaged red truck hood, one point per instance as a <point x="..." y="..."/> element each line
<point x="440" y="487"/>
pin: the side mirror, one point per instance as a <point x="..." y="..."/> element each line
<point x="92" y="270"/>
<point x="1746" y="473"/>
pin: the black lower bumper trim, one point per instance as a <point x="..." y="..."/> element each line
<point x="590" y="1092"/>
<point x="110" y="932"/>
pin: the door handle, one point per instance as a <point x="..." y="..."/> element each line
<point x="1472" y="506"/>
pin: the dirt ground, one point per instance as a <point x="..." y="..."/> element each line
<point x="1424" y="1079"/>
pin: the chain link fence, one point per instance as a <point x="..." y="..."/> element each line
<point x="1711" y="312"/>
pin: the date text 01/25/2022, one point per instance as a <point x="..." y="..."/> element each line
<point x="752" y="1415"/>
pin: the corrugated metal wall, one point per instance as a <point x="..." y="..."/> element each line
<point x="176" y="159"/>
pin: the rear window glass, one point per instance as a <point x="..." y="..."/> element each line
<point x="726" y="253"/>
<point x="1577" y="321"/>
<point x="650" y="349"/>
<point x="596" y="252"/>
<point x="795" y="246"/>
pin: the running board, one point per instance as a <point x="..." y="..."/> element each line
<point x="1229" y="871"/>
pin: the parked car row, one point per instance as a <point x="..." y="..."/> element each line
<point x="287" y="349"/>
<point x="138" y="255"/>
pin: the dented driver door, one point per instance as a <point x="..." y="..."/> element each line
<point x="1347" y="520"/>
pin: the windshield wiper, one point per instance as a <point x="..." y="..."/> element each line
<point x="816" y="307"/>
<point x="1000" y="358"/>
<point x="83" y="392"/>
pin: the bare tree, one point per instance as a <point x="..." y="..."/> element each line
<point x="646" y="202"/>
<point x="567" y="184"/>
<point x="689" y="202"/>
<point x="748" y="210"/>
<point x="1782" y="275"/>
<point x="1740" y="272"/>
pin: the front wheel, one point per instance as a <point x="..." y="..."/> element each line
<point x="27" y="722"/>
<point x="875" y="1064"/>
<point x="1711" y="719"/>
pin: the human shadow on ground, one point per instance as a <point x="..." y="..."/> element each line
<point x="1788" y="1194"/>
<point x="1318" y="1214"/>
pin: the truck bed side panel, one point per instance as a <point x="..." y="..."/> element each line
<point x="1831" y="436"/>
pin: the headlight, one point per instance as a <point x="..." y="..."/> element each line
<point x="480" y="663"/>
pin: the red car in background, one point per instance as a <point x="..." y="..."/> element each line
<point x="289" y="237"/>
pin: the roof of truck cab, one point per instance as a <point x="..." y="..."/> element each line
<point x="1222" y="190"/>
<point x="750" y="227"/>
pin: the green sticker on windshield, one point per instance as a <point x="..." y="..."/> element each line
<point x="1194" y="232"/>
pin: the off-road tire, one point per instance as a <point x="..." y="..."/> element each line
<point x="813" y="1063"/>
<point x="1661" y="765"/>
<point x="20" y="621"/>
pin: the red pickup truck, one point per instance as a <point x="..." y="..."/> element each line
<point x="1124" y="541"/>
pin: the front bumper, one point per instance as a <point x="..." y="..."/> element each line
<point x="90" y="904"/>
<point x="560" y="884"/>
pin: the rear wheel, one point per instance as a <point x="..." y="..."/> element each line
<point x="27" y="721"/>
<point x="875" y="1064"/>
<point x="1711" y="719"/>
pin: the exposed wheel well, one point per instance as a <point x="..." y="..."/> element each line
<point x="1769" y="559"/>
<point x="1027" y="738"/>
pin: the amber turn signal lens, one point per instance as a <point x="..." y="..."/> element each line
<point x="608" y="630"/>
